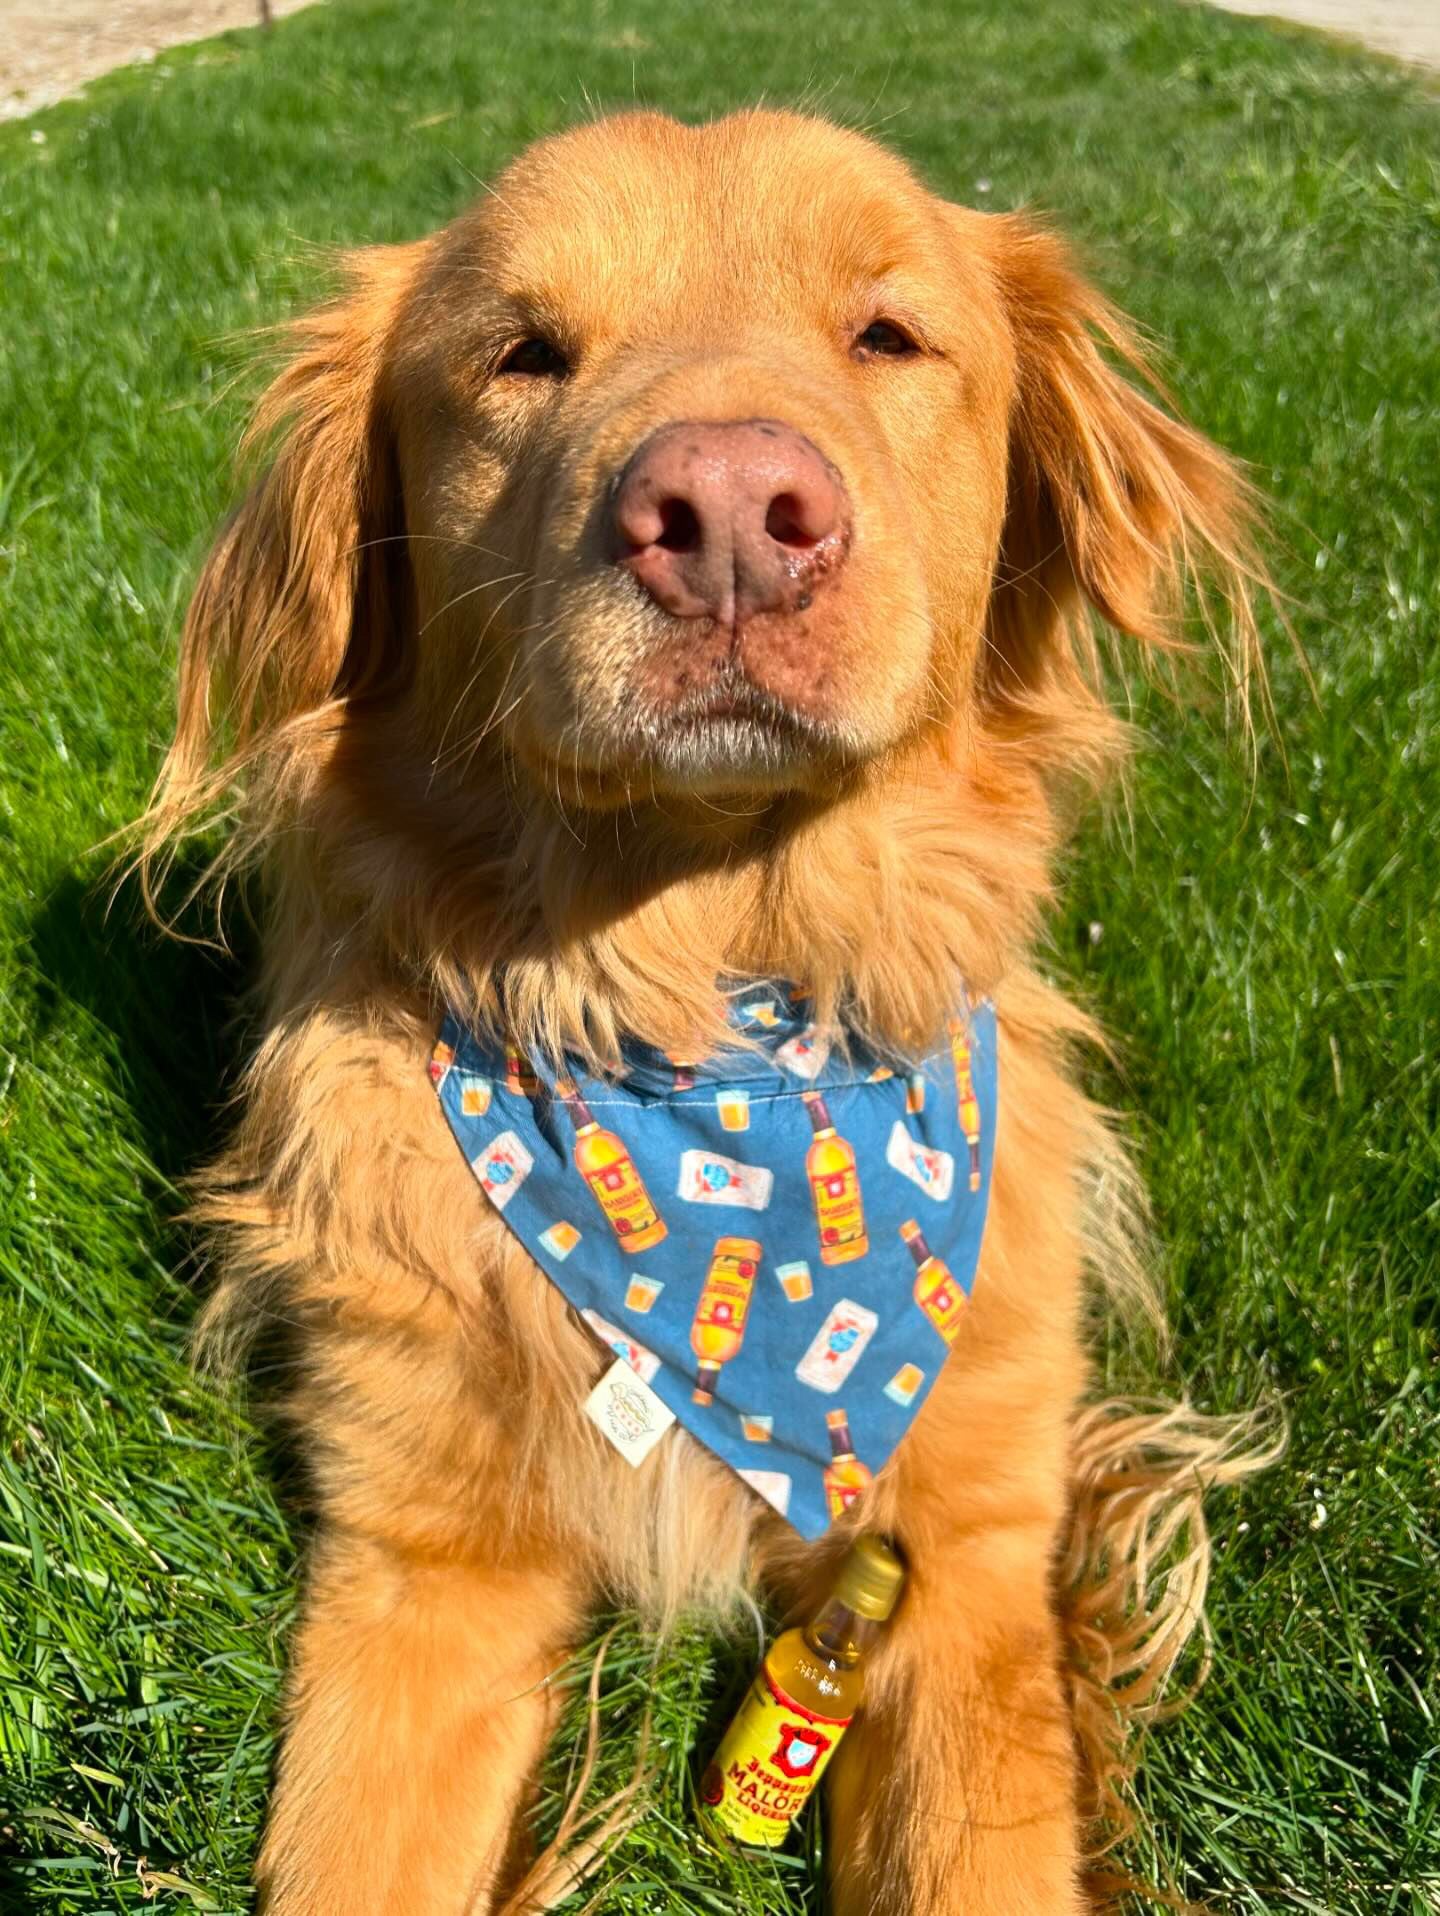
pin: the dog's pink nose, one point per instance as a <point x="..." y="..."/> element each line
<point x="724" y="519"/>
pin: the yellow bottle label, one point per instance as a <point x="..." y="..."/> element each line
<point x="845" y="1480"/>
<point x="841" y="1218"/>
<point x="718" y="1329"/>
<point x="618" y="1189"/>
<point x="940" y="1297"/>
<point x="839" y="1209"/>
<point x="969" y="1111"/>
<point x="959" y="1048"/>
<point x="626" y="1202"/>
<point x="967" y="1104"/>
<point x="768" y="1763"/>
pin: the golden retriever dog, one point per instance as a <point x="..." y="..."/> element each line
<point x="684" y="569"/>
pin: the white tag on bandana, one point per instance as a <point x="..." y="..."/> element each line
<point x="623" y="1408"/>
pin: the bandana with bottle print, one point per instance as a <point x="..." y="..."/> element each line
<point x="779" y="1240"/>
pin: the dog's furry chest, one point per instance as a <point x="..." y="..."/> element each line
<point x="440" y="1376"/>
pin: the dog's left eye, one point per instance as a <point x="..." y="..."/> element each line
<point x="884" y="338"/>
<point x="536" y="359"/>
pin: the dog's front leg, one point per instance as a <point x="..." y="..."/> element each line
<point x="419" y="1709"/>
<point x="956" y="1789"/>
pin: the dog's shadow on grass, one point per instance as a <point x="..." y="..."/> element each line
<point x="174" y="1003"/>
<point x="171" y="1002"/>
<point x="152" y="1031"/>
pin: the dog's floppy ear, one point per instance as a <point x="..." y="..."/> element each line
<point x="1112" y="501"/>
<point x="300" y="602"/>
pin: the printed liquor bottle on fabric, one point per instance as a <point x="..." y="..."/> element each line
<point x="936" y="1291"/>
<point x="835" y="1187"/>
<point x="968" y="1103"/>
<point x="845" y="1475"/>
<point x="718" y="1329"/>
<point x="520" y="1078"/>
<point x="609" y="1170"/>
<point x="801" y="1703"/>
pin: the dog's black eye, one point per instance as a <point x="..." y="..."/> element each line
<point x="884" y="338"/>
<point x="537" y="359"/>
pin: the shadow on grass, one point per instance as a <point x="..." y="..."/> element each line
<point x="171" y="1004"/>
<point x="17" y="1890"/>
<point x="176" y="1010"/>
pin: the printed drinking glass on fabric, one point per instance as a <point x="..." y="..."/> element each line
<point x="780" y="1239"/>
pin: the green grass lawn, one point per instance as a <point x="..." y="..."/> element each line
<point x="1268" y="206"/>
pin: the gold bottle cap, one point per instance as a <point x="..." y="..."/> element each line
<point x="870" y="1579"/>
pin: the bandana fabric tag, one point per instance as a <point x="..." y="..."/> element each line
<point x="777" y="1243"/>
<point x="623" y="1408"/>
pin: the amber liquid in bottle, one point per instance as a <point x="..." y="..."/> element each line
<point x="967" y="1104"/>
<point x="936" y="1292"/>
<point x="834" y="1187"/>
<point x="609" y="1170"/>
<point x="718" y="1329"/>
<point x="800" y="1704"/>
<point x="845" y="1476"/>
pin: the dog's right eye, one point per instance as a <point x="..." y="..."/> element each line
<point x="883" y="339"/>
<point x="535" y="358"/>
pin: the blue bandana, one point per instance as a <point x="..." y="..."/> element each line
<point x="780" y="1241"/>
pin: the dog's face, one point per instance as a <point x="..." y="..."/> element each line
<point x="702" y="440"/>
<point x="722" y="461"/>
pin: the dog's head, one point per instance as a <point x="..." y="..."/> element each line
<point x="709" y="425"/>
<point x="695" y="463"/>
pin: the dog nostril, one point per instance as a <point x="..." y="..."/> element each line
<point x="679" y="526"/>
<point x="785" y="521"/>
<point x="727" y="519"/>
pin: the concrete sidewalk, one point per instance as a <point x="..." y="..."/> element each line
<point x="1409" y="29"/>
<point x="50" y="48"/>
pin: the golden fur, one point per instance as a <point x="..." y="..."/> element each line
<point x="408" y="676"/>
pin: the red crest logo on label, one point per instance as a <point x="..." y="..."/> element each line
<point x="799" y="1749"/>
